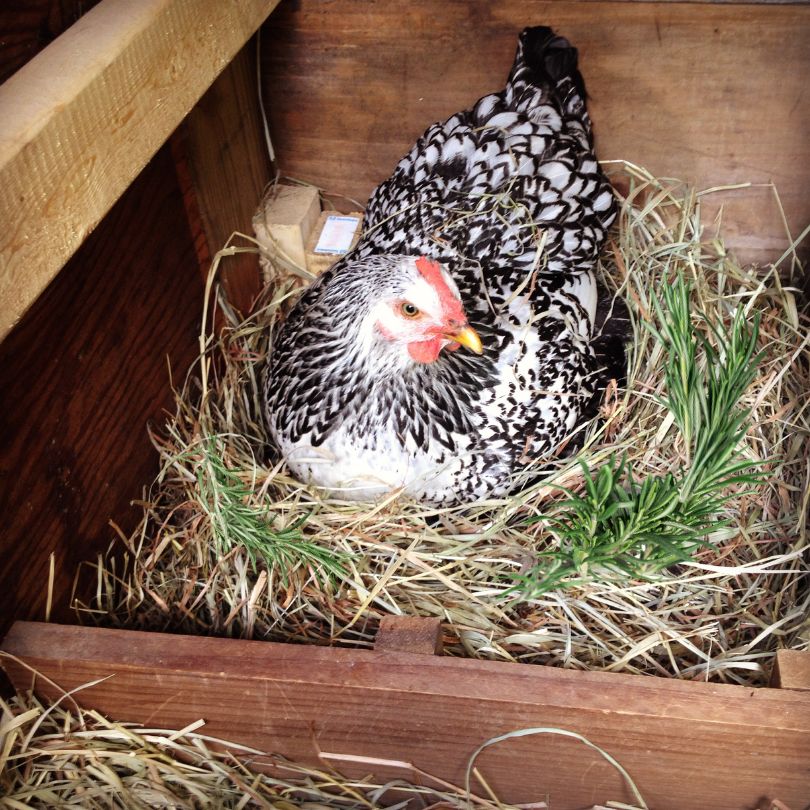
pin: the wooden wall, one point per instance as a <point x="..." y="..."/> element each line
<point x="80" y="376"/>
<point x="713" y="93"/>
<point x="86" y="368"/>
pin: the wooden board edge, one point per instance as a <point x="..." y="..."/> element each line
<point x="395" y="670"/>
<point x="314" y="704"/>
<point x="792" y="670"/>
<point x="421" y="635"/>
<point x="85" y="115"/>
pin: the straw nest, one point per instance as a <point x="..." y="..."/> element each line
<point x="230" y="545"/>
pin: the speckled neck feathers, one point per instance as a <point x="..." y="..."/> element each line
<point x="509" y="198"/>
<point x="337" y="378"/>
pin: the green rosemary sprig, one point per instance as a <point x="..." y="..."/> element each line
<point x="237" y="519"/>
<point x="704" y="402"/>
<point x="618" y="527"/>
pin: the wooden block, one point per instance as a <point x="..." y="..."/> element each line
<point x="792" y="670"/>
<point x="420" y="635"/>
<point x="84" y="116"/>
<point x="738" y="745"/>
<point x="320" y="261"/>
<point x="285" y="220"/>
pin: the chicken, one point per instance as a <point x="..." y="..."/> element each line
<point x="454" y="348"/>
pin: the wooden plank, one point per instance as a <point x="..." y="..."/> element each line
<point x="81" y="119"/>
<point x="81" y="375"/>
<point x="418" y="635"/>
<point x="711" y="93"/>
<point x="433" y="712"/>
<point x="28" y="26"/>
<point x="792" y="670"/>
<point x="222" y="140"/>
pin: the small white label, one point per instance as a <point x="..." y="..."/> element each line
<point x="337" y="234"/>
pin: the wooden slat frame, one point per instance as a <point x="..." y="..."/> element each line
<point x="685" y="744"/>
<point x="81" y="119"/>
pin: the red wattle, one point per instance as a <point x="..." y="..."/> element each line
<point x="425" y="351"/>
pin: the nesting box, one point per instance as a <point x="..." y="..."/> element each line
<point x="132" y="147"/>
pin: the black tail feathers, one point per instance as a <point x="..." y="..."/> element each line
<point x="612" y="330"/>
<point x="550" y="58"/>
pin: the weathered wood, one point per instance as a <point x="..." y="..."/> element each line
<point x="80" y="377"/>
<point x="223" y="142"/>
<point x="736" y="745"/>
<point x="81" y="119"/>
<point x="792" y="670"/>
<point x="419" y="635"/>
<point x="710" y="93"/>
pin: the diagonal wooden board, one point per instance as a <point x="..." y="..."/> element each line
<point x="81" y="119"/>
<point x="685" y="744"/>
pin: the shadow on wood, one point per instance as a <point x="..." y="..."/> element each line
<point x="80" y="377"/>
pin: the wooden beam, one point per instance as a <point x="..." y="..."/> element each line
<point x="28" y="26"/>
<point x="737" y="745"/>
<point x="81" y="119"/>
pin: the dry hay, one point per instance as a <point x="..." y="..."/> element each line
<point x="718" y="617"/>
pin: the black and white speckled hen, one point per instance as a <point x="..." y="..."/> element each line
<point x="485" y="236"/>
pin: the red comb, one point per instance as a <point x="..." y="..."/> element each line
<point x="432" y="273"/>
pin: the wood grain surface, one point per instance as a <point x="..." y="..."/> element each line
<point x="83" y="117"/>
<point x="420" y="635"/>
<point x="222" y="140"/>
<point x="80" y="377"/>
<point x="685" y="744"/>
<point x="792" y="670"/>
<point x="713" y="94"/>
<point x="28" y="26"/>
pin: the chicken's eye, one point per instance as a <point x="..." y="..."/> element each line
<point x="409" y="310"/>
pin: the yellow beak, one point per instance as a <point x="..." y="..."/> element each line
<point x="468" y="337"/>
